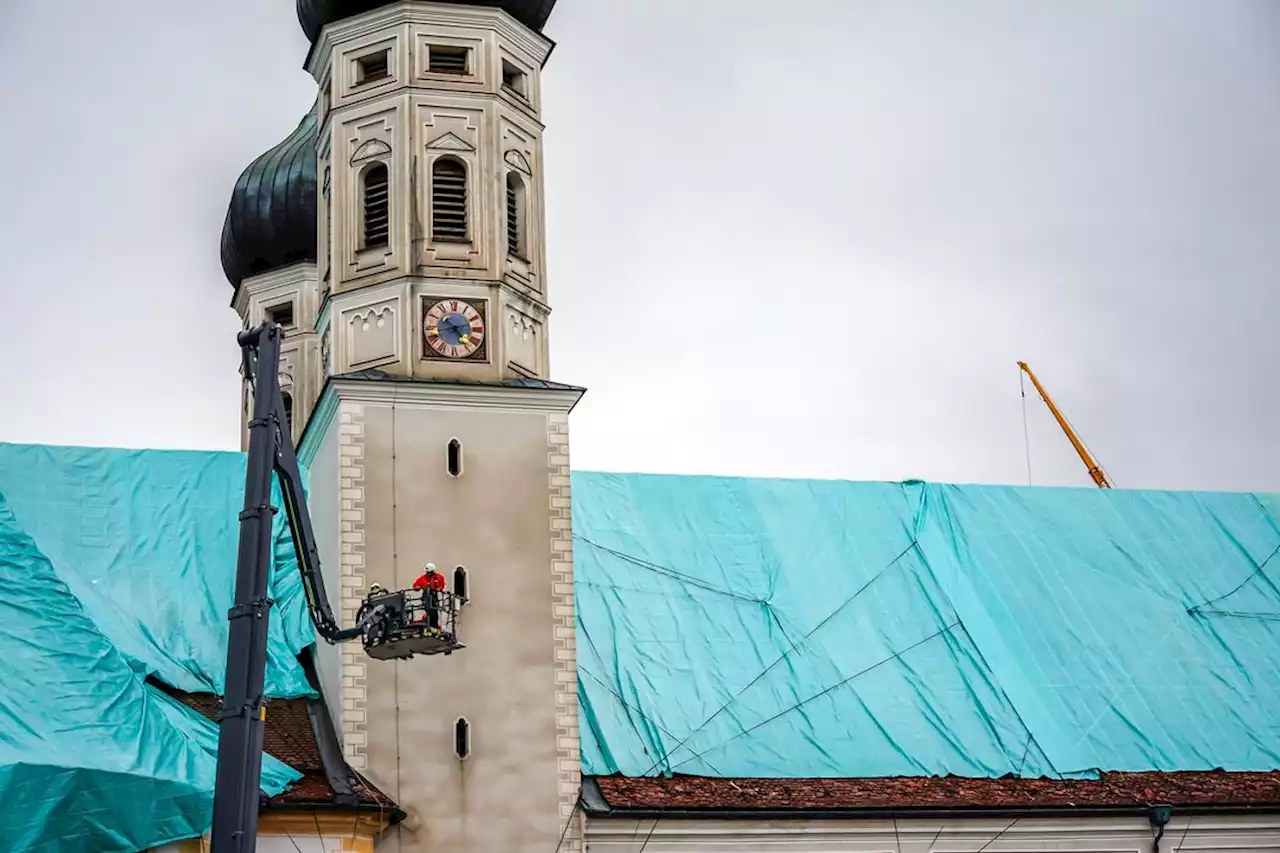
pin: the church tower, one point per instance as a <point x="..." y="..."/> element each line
<point x="422" y="403"/>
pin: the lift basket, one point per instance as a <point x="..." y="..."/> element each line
<point x="400" y="625"/>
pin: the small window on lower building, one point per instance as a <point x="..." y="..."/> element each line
<point x="462" y="739"/>
<point x="515" y="80"/>
<point x="374" y="67"/>
<point x="455" y="458"/>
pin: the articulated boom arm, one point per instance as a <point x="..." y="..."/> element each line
<point x="304" y="540"/>
<point x="285" y="465"/>
<point x="239" y="775"/>
<point x="392" y="625"/>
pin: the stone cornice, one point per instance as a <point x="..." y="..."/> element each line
<point x="300" y="273"/>
<point x="448" y="395"/>
<point x="425" y="394"/>
<point x="536" y="45"/>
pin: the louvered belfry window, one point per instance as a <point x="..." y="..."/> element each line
<point x="443" y="59"/>
<point x="448" y="200"/>
<point x="377" y="207"/>
<point x="515" y="215"/>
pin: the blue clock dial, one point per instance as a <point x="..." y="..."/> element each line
<point x="454" y="328"/>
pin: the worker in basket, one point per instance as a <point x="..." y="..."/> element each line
<point x="376" y="621"/>
<point x="432" y="584"/>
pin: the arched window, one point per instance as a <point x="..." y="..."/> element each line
<point x="376" y="194"/>
<point x="461" y="585"/>
<point x="517" y="215"/>
<point x="462" y="739"/>
<point x="288" y="410"/>
<point x="455" y="458"/>
<point x="449" y="200"/>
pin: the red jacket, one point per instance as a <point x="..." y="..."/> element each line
<point x="430" y="580"/>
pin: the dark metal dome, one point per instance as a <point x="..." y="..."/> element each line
<point x="315" y="14"/>
<point x="271" y="221"/>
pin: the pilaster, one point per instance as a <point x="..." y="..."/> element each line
<point x="568" y="745"/>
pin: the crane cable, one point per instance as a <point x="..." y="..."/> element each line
<point x="1026" y="434"/>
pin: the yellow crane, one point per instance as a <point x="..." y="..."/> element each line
<point x="1095" y="470"/>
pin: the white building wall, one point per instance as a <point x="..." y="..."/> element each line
<point x="1194" y="834"/>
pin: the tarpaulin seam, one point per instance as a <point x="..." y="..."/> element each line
<point x="1017" y="713"/>
<point x="784" y="656"/>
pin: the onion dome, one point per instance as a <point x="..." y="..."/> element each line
<point x="271" y="221"/>
<point x="315" y="14"/>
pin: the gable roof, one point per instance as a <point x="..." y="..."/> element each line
<point x="733" y="627"/>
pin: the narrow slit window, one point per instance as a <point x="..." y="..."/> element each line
<point x="288" y="410"/>
<point x="377" y="207"/>
<point x="448" y="200"/>
<point x="461" y="587"/>
<point x="455" y="458"/>
<point x="374" y="67"/>
<point x="462" y="739"/>
<point x="516" y="217"/>
<point x="446" y="59"/>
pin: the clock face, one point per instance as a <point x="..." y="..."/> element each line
<point x="455" y="328"/>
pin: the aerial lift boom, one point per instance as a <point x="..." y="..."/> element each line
<point x="391" y="625"/>
<point x="1095" y="470"/>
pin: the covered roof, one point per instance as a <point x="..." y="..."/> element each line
<point x="116" y="574"/>
<point x="799" y="629"/>
<point x="802" y="644"/>
<point x="289" y="734"/>
<point x="314" y="15"/>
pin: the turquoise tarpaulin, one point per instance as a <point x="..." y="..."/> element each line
<point x="785" y="628"/>
<point x="91" y="757"/>
<point x="147" y="541"/>
<point x="727" y="627"/>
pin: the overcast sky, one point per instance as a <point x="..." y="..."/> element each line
<point x="809" y="238"/>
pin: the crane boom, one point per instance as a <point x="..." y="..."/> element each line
<point x="1095" y="470"/>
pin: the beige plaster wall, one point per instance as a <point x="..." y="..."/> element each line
<point x="506" y="519"/>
